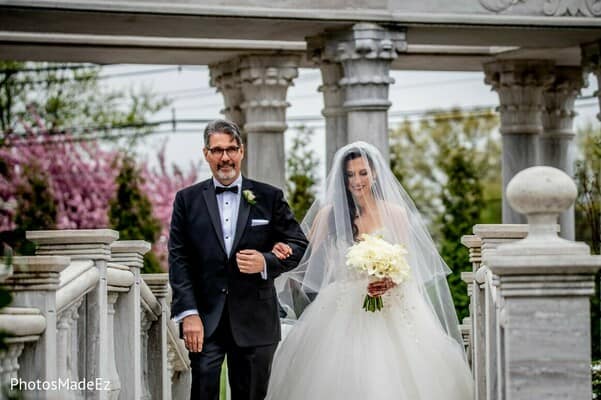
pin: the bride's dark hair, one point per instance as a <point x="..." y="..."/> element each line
<point x="353" y="154"/>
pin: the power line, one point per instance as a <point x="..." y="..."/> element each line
<point x="103" y="77"/>
<point x="48" y="69"/>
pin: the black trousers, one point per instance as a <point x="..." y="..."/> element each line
<point x="248" y="367"/>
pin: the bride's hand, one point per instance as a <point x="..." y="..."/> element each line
<point x="379" y="287"/>
<point x="281" y="250"/>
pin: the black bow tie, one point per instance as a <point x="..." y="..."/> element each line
<point x="221" y="189"/>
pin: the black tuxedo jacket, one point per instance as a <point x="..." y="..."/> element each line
<point x="201" y="274"/>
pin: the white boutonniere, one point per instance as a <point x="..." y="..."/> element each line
<point x="249" y="196"/>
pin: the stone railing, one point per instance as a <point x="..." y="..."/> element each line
<point x="83" y="319"/>
<point x="529" y="298"/>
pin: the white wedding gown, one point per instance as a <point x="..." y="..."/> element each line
<point x="336" y="350"/>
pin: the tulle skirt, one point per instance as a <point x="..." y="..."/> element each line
<point x="339" y="351"/>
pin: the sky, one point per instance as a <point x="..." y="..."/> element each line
<point x="194" y="99"/>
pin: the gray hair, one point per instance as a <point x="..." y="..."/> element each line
<point x="222" y="126"/>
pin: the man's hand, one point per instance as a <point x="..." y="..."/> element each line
<point x="250" y="261"/>
<point x="281" y="250"/>
<point x="193" y="333"/>
<point x="379" y="287"/>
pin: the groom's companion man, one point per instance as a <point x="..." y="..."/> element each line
<point x="221" y="269"/>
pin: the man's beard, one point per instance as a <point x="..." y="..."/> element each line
<point x="226" y="175"/>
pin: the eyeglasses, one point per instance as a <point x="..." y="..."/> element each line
<point x="218" y="151"/>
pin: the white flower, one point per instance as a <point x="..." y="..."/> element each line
<point x="249" y="196"/>
<point x="378" y="258"/>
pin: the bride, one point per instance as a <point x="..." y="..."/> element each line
<point x="411" y="349"/>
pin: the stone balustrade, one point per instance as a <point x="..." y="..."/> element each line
<point x="83" y="318"/>
<point x="529" y="297"/>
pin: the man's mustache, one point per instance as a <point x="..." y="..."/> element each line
<point x="231" y="165"/>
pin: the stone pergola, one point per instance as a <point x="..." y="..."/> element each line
<point x="534" y="53"/>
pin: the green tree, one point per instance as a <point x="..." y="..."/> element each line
<point x="35" y="209"/>
<point x="588" y="179"/>
<point x="416" y="148"/>
<point x="448" y="162"/>
<point x="588" y="214"/>
<point x="301" y="173"/>
<point x="130" y="211"/>
<point x="463" y="201"/>
<point x="71" y="98"/>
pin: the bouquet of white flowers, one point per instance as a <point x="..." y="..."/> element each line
<point x="378" y="258"/>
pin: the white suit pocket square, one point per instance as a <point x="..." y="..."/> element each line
<point x="259" y="222"/>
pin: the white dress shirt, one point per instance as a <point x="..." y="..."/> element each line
<point x="229" y="204"/>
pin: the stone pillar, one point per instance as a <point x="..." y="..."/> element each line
<point x="556" y="142"/>
<point x="520" y="85"/>
<point x="264" y="82"/>
<point x="544" y="283"/>
<point x="225" y="76"/>
<point x="333" y="93"/>
<point x="365" y="52"/>
<point x="484" y="311"/>
<point x="128" y="346"/>
<point x="158" y="360"/>
<point x="591" y="62"/>
<point x="87" y="244"/>
<point x="34" y="283"/>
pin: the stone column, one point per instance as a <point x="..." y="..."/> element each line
<point x="333" y="93"/>
<point x="158" y="360"/>
<point x="520" y="85"/>
<point x="591" y="62"/>
<point x="87" y="244"/>
<point x="146" y="320"/>
<point x="127" y="330"/>
<point x="556" y="142"/>
<point x="365" y="52"/>
<point x="544" y="284"/>
<point x="67" y="347"/>
<point x="225" y="76"/>
<point x="34" y="283"/>
<point x="264" y="82"/>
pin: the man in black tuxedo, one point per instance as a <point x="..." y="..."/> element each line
<point x="221" y="269"/>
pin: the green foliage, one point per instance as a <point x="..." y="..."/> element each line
<point x="130" y="212"/>
<point x="588" y="215"/>
<point x="463" y="200"/>
<point x="588" y="179"/>
<point x="36" y="208"/>
<point x="416" y="149"/>
<point x="449" y="164"/>
<point x="70" y="97"/>
<point x="596" y="375"/>
<point x="301" y="171"/>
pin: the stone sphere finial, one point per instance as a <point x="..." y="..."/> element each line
<point x="541" y="191"/>
<point x="542" y="194"/>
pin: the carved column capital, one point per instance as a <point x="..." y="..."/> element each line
<point x="366" y="51"/>
<point x="520" y="85"/>
<point x="372" y="42"/>
<point x="558" y="114"/>
<point x="225" y="77"/>
<point x="264" y="81"/>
